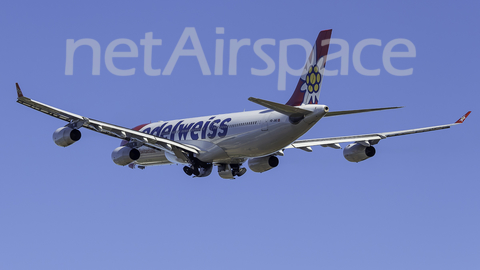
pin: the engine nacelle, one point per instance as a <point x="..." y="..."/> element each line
<point x="125" y="155"/>
<point x="66" y="136"/>
<point x="356" y="152"/>
<point x="263" y="164"/>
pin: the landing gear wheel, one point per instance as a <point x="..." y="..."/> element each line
<point x="196" y="172"/>
<point x="241" y="172"/>
<point x="189" y="171"/>
<point x="237" y="171"/>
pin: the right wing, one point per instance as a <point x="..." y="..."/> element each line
<point x="367" y="139"/>
<point x="151" y="141"/>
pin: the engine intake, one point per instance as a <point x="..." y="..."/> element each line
<point x="125" y="155"/>
<point x="263" y="164"/>
<point x="356" y="152"/>
<point x="66" y="136"/>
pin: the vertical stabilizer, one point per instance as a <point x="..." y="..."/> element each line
<point x="308" y="87"/>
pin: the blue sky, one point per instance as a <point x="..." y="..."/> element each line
<point x="413" y="206"/>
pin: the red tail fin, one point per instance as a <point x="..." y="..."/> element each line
<point x="308" y="87"/>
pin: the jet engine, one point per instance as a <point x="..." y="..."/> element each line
<point x="356" y="152"/>
<point x="125" y="155"/>
<point x="66" y="136"/>
<point x="262" y="164"/>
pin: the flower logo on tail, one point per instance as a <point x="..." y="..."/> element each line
<point x="312" y="76"/>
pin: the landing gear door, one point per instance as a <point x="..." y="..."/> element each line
<point x="265" y="119"/>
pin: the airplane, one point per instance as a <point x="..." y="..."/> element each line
<point x="227" y="141"/>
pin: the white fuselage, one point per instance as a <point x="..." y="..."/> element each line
<point x="230" y="138"/>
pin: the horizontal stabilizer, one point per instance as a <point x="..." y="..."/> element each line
<point x="283" y="109"/>
<point x="359" y="111"/>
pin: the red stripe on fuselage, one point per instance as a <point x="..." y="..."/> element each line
<point x="137" y="128"/>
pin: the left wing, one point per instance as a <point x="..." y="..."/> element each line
<point x="78" y="121"/>
<point x="367" y="139"/>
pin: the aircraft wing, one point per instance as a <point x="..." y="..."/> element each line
<point x="367" y="139"/>
<point x="106" y="128"/>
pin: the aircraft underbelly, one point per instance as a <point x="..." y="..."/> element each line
<point x="260" y="143"/>
<point x="209" y="151"/>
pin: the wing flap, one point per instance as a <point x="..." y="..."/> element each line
<point x="335" y="140"/>
<point x="416" y="130"/>
<point x="60" y="114"/>
<point x="147" y="139"/>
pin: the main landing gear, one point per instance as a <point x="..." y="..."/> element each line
<point x="197" y="168"/>
<point x="237" y="171"/>
<point x="189" y="171"/>
<point x="198" y="171"/>
<point x="229" y="171"/>
<point x="226" y="171"/>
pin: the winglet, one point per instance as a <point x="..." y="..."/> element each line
<point x="459" y="121"/>
<point x="19" y="91"/>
